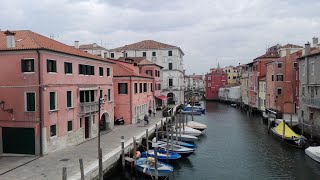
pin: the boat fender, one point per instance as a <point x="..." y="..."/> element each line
<point x="138" y="154"/>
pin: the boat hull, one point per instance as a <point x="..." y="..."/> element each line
<point x="313" y="154"/>
<point x="161" y="155"/>
<point x="181" y="143"/>
<point x="294" y="142"/>
<point x="163" y="169"/>
<point x="185" y="138"/>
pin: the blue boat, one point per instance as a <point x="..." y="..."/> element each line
<point x="197" y="110"/>
<point x="162" y="154"/>
<point x="147" y="166"/>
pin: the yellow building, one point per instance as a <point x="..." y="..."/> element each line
<point x="233" y="75"/>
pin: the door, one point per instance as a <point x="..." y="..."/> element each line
<point x="18" y="140"/>
<point x="87" y="127"/>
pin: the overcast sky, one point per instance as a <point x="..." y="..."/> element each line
<point x="208" y="31"/>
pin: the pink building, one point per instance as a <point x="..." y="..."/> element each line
<point x="214" y="80"/>
<point x="49" y="94"/>
<point x="136" y="85"/>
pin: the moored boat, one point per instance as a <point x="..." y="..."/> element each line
<point x="188" y="131"/>
<point x="162" y="154"/>
<point x="289" y="136"/>
<point x="313" y="152"/>
<point x="147" y="166"/>
<point x="183" y="151"/>
<point x="196" y="125"/>
<point x="181" y="143"/>
<point x="184" y="137"/>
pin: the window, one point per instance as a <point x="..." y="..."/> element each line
<point x="122" y="88"/>
<point x="67" y="68"/>
<point x="135" y="88"/>
<point x="158" y="73"/>
<point x="295" y="64"/>
<point x="209" y="77"/>
<point x="27" y="65"/>
<point x="149" y="72"/>
<point x="279" y="90"/>
<point x="86" y="96"/>
<point x="109" y="95"/>
<point x="53" y="102"/>
<point x="154" y="54"/>
<point x="93" y="119"/>
<point x="272" y="79"/>
<point x="209" y="84"/>
<point x="155" y="73"/>
<point x="234" y="77"/>
<point x="69" y="99"/>
<point x="279" y="65"/>
<point x="312" y="68"/>
<point x="108" y="71"/>
<point x="169" y="53"/>
<point x="229" y="77"/>
<point x="53" y="130"/>
<point x="112" y="55"/>
<point x="100" y="71"/>
<point x="170" y="82"/>
<point x="126" y="54"/>
<point x="311" y="116"/>
<point x="140" y="88"/>
<point x="144" y="87"/>
<point x="170" y="66"/>
<point x="101" y="93"/>
<point x="30" y="102"/>
<point x="69" y="125"/>
<point x="86" y="69"/>
<point x="80" y="123"/>
<point x="302" y="91"/>
<point x="51" y="65"/>
<point x="280" y="77"/>
<point x="151" y="87"/>
<point x="144" y="54"/>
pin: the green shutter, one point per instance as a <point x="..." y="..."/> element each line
<point x="54" y="68"/>
<point x="48" y="66"/>
<point x="31" y="103"/>
<point x="65" y="67"/>
<point x="23" y="65"/>
<point x="69" y="99"/>
<point x="109" y="94"/>
<point x="52" y="101"/>
<point x="32" y="65"/>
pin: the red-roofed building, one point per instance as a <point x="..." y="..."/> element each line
<point x="50" y="93"/>
<point x="136" y="88"/>
<point x="214" y="80"/>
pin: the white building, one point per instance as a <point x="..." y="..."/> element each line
<point x="168" y="56"/>
<point x="94" y="49"/>
<point x="194" y="82"/>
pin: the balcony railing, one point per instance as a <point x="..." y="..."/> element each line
<point x="89" y="107"/>
<point x="312" y="102"/>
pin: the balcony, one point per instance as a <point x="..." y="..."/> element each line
<point x="89" y="107"/>
<point x="311" y="102"/>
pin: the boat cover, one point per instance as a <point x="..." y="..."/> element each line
<point x="288" y="132"/>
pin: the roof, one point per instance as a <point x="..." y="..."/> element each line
<point x="291" y="46"/>
<point x="269" y="54"/>
<point x="91" y="46"/>
<point x="314" y="52"/>
<point x="141" y="61"/>
<point x="28" y="40"/>
<point x="145" y="45"/>
<point x="119" y="70"/>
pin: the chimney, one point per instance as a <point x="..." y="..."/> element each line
<point x="76" y="44"/>
<point x="10" y="40"/>
<point x="315" y="41"/>
<point x="307" y="49"/>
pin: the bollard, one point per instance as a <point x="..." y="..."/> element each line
<point x="122" y="152"/>
<point x="81" y="168"/>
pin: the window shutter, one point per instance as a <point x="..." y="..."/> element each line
<point x="32" y="65"/>
<point x="65" y="67"/>
<point x="48" y="66"/>
<point x="23" y="64"/>
<point x="31" y="102"/>
<point x="69" y="100"/>
<point x="54" y="64"/>
<point x="52" y="101"/>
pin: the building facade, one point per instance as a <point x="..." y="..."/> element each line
<point x="232" y="75"/>
<point x="262" y="94"/>
<point x="49" y="94"/>
<point x="309" y="96"/>
<point x="168" y="56"/>
<point x="216" y="79"/>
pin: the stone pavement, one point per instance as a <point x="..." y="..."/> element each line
<point x="50" y="166"/>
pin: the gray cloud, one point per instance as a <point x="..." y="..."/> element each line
<point x="209" y="31"/>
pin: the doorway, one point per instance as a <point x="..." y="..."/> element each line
<point x="87" y="127"/>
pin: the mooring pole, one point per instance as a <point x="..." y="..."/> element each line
<point x="157" y="134"/>
<point x="156" y="161"/>
<point x="134" y="155"/>
<point x="81" y="168"/>
<point x="162" y="133"/>
<point x="122" y="152"/>
<point x="147" y="140"/>
<point x="167" y="136"/>
<point x="283" y="130"/>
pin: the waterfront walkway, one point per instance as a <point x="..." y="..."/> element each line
<point x="50" y="166"/>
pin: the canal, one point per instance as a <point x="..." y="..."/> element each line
<point x="236" y="146"/>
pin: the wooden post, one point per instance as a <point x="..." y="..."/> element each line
<point x="311" y="129"/>
<point x="283" y="129"/>
<point x="180" y="128"/>
<point x="167" y="135"/>
<point x="81" y="168"/>
<point x="100" y="165"/>
<point x="184" y="116"/>
<point x="171" y="138"/>
<point x="162" y="128"/>
<point x="187" y="119"/>
<point x="147" y="140"/>
<point x="176" y="127"/>
<point x="64" y="173"/>
<point x="302" y="129"/>
<point x="156" y="161"/>
<point x="134" y="154"/>
<point x="192" y="103"/>
<point x="291" y="120"/>
<point x="122" y="152"/>
<point x="269" y="124"/>
<point x="157" y="134"/>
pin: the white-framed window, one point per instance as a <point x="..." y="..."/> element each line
<point x="27" y="65"/>
<point x="209" y="84"/>
<point x="279" y="91"/>
<point x="209" y="77"/>
<point x="30" y="101"/>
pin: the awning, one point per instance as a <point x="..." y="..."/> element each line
<point x="162" y="97"/>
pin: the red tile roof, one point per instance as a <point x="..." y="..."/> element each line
<point x="291" y="46"/>
<point x="91" y="46"/>
<point x="145" y="45"/>
<point x="139" y="60"/>
<point x="28" y="40"/>
<point x="119" y="70"/>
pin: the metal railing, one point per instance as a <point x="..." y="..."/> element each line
<point x="312" y="102"/>
<point x="89" y="107"/>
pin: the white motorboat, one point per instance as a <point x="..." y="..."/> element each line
<point x="184" y="137"/>
<point x="183" y="151"/>
<point x="196" y="125"/>
<point x="313" y="152"/>
<point x="188" y="131"/>
<point x="181" y="143"/>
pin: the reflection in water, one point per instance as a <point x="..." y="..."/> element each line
<point x="236" y="146"/>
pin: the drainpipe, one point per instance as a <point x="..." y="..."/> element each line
<point x="40" y="103"/>
<point x="130" y="101"/>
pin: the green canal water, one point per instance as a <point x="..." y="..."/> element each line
<point x="236" y="146"/>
